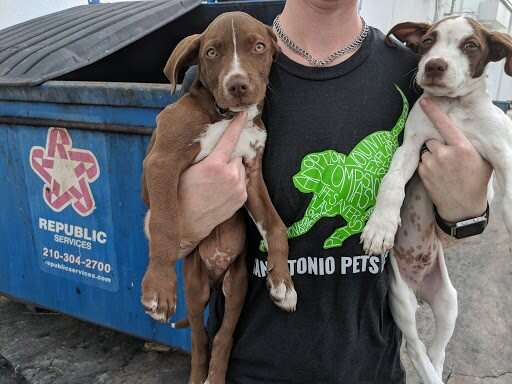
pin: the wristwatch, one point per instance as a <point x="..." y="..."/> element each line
<point x="464" y="228"/>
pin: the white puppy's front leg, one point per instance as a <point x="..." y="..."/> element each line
<point x="379" y="234"/>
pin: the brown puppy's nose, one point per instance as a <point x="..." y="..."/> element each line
<point x="237" y="86"/>
<point x="436" y="67"/>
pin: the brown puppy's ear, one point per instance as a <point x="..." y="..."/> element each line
<point x="275" y="46"/>
<point x="184" y="55"/>
<point x="409" y="33"/>
<point x="500" y="46"/>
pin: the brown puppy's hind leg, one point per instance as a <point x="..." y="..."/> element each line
<point x="197" y="294"/>
<point x="234" y="287"/>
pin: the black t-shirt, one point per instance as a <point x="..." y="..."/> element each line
<point x="331" y="135"/>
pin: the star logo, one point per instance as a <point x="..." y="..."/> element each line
<point x="66" y="171"/>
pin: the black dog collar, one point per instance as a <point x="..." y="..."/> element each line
<point x="224" y="112"/>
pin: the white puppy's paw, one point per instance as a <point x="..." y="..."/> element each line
<point x="379" y="234"/>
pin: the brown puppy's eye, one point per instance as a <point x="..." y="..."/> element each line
<point x="427" y="42"/>
<point x="211" y="52"/>
<point x="259" y="47"/>
<point x="470" y="45"/>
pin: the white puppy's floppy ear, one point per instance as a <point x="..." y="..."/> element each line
<point x="409" y="33"/>
<point x="184" y="55"/>
<point x="500" y="47"/>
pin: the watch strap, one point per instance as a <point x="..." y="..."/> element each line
<point x="459" y="229"/>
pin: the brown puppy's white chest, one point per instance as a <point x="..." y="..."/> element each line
<point x="252" y="138"/>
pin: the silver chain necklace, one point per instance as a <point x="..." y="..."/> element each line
<point x="308" y="56"/>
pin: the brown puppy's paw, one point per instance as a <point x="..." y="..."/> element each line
<point x="159" y="293"/>
<point x="198" y="376"/>
<point x="281" y="289"/>
<point x="219" y="380"/>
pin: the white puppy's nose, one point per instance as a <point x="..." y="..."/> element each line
<point x="436" y="67"/>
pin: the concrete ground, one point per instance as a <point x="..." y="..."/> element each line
<point x="42" y="348"/>
<point x="46" y="348"/>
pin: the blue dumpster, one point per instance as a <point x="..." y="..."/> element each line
<point x="79" y="93"/>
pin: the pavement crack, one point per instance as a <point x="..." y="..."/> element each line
<point x="14" y="371"/>
<point x="449" y="375"/>
<point x="496" y="376"/>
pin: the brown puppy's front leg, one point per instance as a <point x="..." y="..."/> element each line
<point x="274" y="234"/>
<point x="161" y="173"/>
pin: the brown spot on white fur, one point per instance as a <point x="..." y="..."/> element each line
<point x="487" y="46"/>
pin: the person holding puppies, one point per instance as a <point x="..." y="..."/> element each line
<point x="333" y="86"/>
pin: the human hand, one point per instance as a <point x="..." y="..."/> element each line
<point x="212" y="190"/>
<point x="454" y="173"/>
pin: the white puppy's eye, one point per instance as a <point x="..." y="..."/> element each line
<point x="470" y="45"/>
<point x="211" y="52"/>
<point x="259" y="47"/>
<point x="428" y="41"/>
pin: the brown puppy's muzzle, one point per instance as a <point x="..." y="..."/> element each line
<point x="240" y="90"/>
<point x="239" y="86"/>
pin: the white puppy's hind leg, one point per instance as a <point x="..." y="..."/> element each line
<point x="437" y="289"/>
<point x="403" y="305"/>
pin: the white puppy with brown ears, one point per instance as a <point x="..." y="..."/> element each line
<point x="454" y="53"/>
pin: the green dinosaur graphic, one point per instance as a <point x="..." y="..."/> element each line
<point x="346" y="185"/>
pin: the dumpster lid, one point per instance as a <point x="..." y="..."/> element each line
<point x="50" y="46"/>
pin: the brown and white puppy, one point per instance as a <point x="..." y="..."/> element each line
<point x="454" y="53"/>
<point x="234" y="55"/>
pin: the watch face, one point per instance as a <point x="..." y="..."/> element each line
<point x="470" y="230"/>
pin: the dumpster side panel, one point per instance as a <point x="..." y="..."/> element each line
<point x="73" y="226"/>
<point x="16" y="235"/>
